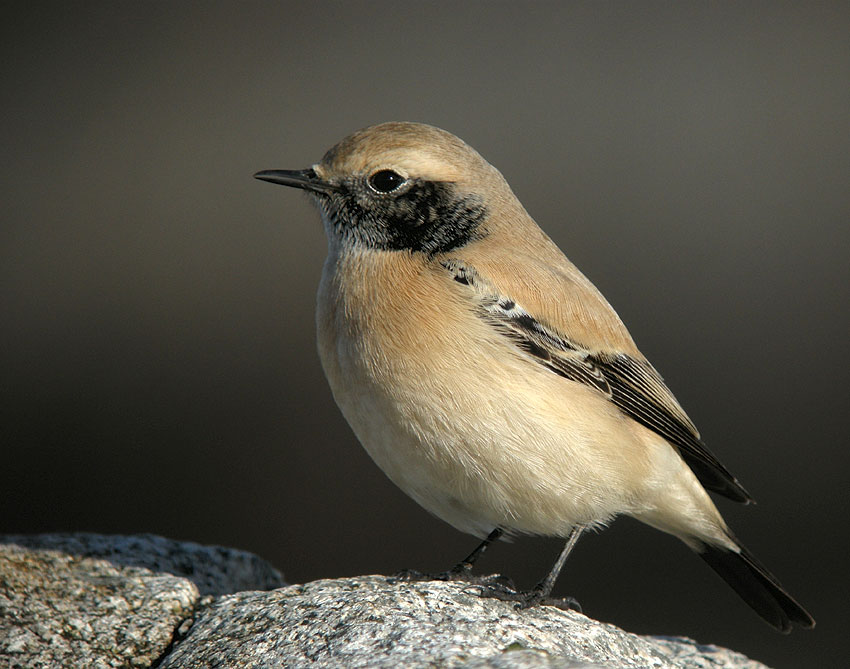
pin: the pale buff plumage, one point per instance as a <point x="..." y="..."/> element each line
<point x="477" y="432"/>
<point x="490" y="439"/>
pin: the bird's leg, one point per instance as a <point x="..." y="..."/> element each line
<point x="542" y="590"/>
<point x="465" y="565"/>
<point x="462" y="571"/>
<point x="539" y="594"/>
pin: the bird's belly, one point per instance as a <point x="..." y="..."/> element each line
<point x="480" y="449"/>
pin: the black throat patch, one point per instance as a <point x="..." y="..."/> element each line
<point x="428" y="217"/>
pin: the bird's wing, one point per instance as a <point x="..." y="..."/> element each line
<point x="630" y="382"/>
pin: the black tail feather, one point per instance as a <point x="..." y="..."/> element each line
<point x="757" y="587"/>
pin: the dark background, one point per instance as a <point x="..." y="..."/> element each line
<point x="157" y="355"/>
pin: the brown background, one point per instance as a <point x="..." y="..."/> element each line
<point x="157" y="357"/>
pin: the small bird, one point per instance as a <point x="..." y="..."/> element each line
<point x="487" y="377"/>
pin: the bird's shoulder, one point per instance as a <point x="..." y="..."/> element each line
<point x="553" y="315"/>
<point x="535" y="274"/>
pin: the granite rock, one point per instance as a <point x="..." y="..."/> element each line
<point x="375" y="621"/>
<point x="143" y="601"/>
<point x="86" y="600"/>
<point x="215" y="570"/>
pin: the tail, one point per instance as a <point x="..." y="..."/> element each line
<point x="757" y="587"/>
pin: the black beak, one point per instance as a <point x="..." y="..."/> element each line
<point x="306" y="179"/>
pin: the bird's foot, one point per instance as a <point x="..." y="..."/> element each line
<point x="495" y="586"/>
<point x="525" y="599"/>
<point x="459" y="573"/>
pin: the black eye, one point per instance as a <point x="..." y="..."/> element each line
<point x="386" y="181"/>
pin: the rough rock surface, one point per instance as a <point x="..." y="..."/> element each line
<point x="214" y="569"/>
<point x="374" y="621"/>
<point x="100" y="601"/>
<point x="62" y="611"/>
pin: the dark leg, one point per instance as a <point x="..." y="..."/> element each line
<point x="462" y="571"/>
<point x="540" y="593"/>
<point x="543" y="589"/>
<point x="465" y="565"/>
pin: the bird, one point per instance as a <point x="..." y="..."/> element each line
<point x="488" y="377"/>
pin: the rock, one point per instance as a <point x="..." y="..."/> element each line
<point x="85" y="600"/>
<point x="375" y="621"/>
<point x="62" y="611"/>
<point x="101" y="601"/>
<point x="214" y="569"/>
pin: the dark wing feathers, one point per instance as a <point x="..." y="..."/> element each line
<point x="639" y="391"/>
<point x="631" y="384"/>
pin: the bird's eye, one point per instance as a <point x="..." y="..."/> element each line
<point x="386" y="181"/>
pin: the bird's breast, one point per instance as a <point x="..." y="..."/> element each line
<point x="452" y="412"/>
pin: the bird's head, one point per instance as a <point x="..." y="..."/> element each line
<point x="402" y="187"/>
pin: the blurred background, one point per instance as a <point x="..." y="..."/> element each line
<point x="157" y="359"/>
